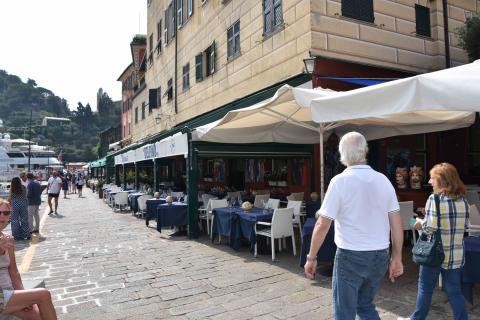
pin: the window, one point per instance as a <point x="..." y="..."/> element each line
<point x="159" y="36"/>
<point x="172" y="20"/>
<point x="186" y="77"/>
<point x="143" y="110"/>
<point x="422" y="17"/>
<point x="159" y="96"/>
<point x="199" y="67"/>
<point x="166" y="28"/>
<point x="179" y="13"/>
<point x="150" y="45"/>
<point x="233" y="40"/>
<point x="272" y="16"/>
<point x="210" y="56"/>
<point x="358" y="9"/>
<point x="189" y="8"/>
<point x="136" y="115"/>
<point x="169" y="92"/>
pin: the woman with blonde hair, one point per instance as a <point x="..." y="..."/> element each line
<point x="453" y="212"/>
<point x="14" y="300"/>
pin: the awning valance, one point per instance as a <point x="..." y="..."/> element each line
<point x="98" y="163"/>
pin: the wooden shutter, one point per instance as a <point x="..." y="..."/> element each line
<point x="166" y="28"/>
<point x="422" y="17"/>
<point x="358" y="9"/>
<point x="199" y="67"/>
<point x="212" y="58"/>
<point x="267" y="16"/>
<point x="277" y="13"/>
<point x="152" y="99"/>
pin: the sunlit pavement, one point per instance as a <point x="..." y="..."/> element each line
<point x="104" y="265"/>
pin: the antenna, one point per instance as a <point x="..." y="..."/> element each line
<point x="139" y="24"/>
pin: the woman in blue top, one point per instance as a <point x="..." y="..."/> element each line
<point x="19" y="218"/>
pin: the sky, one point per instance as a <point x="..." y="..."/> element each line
<point x="72" y="48"/>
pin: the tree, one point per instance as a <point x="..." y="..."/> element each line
<point x="469" y="36"/>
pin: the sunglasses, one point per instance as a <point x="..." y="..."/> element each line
<point x="5" y="213"/>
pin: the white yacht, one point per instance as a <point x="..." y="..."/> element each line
<point x="14" y="158"/>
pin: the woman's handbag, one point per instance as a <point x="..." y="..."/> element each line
<point x="428" y="251"/>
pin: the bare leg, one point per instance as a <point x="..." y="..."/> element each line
<point x="25" y="298"/>
<point x="56" y="204"/>
<point x="50" y="203"/>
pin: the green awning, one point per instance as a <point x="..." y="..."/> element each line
<point x="99" y="163"/>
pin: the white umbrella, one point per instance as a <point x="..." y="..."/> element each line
<point x="430" y="102"/>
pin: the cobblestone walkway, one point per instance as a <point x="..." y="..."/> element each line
<point x="104" y="265"/>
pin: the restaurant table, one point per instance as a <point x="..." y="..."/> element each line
<point x="328" y="248"/>
<point x="237" y="224"/>
<point x="132" y="200"/>
<point x="152" y="205"/>
<point x="471" y="269"/>
<point x="174" y="214"/>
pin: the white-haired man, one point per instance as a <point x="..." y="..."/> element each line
<point x="364" y="206"/>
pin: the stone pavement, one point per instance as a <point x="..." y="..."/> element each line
<point x="104" y="265"/>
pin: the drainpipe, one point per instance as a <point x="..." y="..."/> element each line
<point x="175" y="9"/>
<point x="445" y="29"/>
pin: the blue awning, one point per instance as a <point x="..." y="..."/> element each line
<point x="359" y="81"/>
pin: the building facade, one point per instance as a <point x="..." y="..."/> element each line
<point x="201" y="55"/>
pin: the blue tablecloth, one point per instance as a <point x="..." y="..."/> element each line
<point x="174" y="214"/>
<point x="237" y="224"/>
<point x="328" y="249"/>
<point x="152" y="205"/>
<point x="471" y="269"/>
<point x="132" y="200"/>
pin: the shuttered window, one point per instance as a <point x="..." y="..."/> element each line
<point x="272" y="16"/>
<point x="189" y="8"/>
<point x="159" y="36"/>
<point x="422" y="17"/>
<point x="358" y="9"/>
<point x="199" y="67"/>
<point x="179" y="13"/>
<point x="186" y="77"/>
<point x="233" y="40"/>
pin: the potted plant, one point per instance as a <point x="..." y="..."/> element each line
<point x="100" y="184"/>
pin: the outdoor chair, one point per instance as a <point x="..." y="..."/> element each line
<point x="406" y="211"/>
<point x="261" y="200"/>
<point x="297" y="214"/>
<point x="142" y="204"/>
<point x="214" y="204"/>
<point x="120" y="200"/>
<point x="280" y="227"/>
<point x="202" y="210"/>
<point x="272" y="204"/>
<point x="296" y="196"/>
<point x="474" y="226"/>
<point x="234" y="195"/>
<point x="473" y="198"/>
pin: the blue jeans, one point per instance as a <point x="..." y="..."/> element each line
<point x="427" y="280"/>
<point x="356" y="277"/>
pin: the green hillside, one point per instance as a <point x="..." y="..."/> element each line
<point x="77" y="140"/>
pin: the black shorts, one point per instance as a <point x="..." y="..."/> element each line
<point x="79" y="186"/>
<point x="53" y="195"/>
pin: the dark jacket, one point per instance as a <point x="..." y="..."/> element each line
<point x="34" y="190"/>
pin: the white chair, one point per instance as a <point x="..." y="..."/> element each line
<point x="474" y="226"/>
<point x="272" y="204"/>
<point x="280" y="227"/>
<point x="177" y="194"/>
<point x="297" y="214"/>
<point x="406" y="211"/>
<point x="261" y="200"/>
<point x="473" y="198"/>
<point x="202" y="211"/>
<point x="295" y="196"/>
<point x="120" y="200"/>
<point x="142" y="204"/>
<point x="214" y="204"/>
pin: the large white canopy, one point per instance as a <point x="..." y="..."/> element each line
<point x="435" y="101"/>
<point x="284" y="118"/>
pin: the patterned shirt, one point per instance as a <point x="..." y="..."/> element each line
<point x="453" y="222"/>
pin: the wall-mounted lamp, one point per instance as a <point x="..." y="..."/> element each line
<point x="158" y="119"/>
<point x="309" y="65"/>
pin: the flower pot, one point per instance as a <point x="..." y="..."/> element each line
<point x="100" y="194"/>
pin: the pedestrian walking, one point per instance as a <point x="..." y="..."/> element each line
<point x="14" y="299"/>
<point x="19" y="218"/>
<point x="453" y="212"/>
<point x="23" y="178"/>
<point x="364" y="206"/>
<point x="54" y="185"/>
<point x="74" y="183"/>
<point x="34" y="191"/>
<point x="80" y="183"/>
<point x="64" y="185"/>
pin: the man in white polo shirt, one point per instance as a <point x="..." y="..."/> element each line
<point x="54" y="186"/>
<point x="364" y="206"/>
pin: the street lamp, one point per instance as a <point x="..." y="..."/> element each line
<point x="30" y="139"/>
<point x="309" y="65"/>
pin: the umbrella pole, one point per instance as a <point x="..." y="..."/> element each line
<point x="322" y="189"/>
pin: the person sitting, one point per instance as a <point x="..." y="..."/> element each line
<point x="14" y="299"/>
<point x="156" y="195"/>
<point x="169" y="200"/>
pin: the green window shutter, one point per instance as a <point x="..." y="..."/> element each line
<point x="199" y="67"/>
<point x="358" y="9"/>
<point x="213" y="53"/>
<point x="422" y="17"/>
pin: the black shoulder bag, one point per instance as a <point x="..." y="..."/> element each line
<point x="428" y="251"/>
